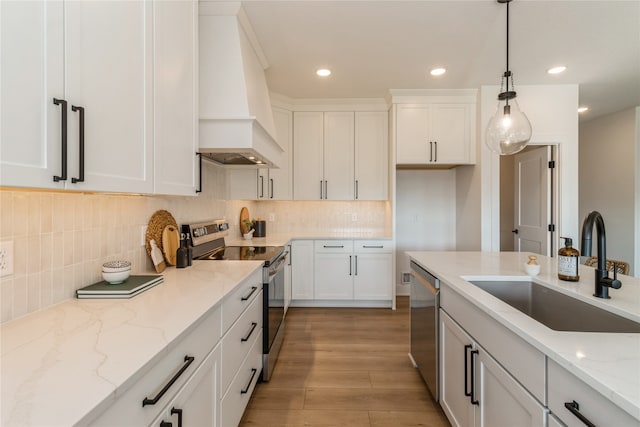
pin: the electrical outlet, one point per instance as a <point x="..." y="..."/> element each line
<point x="272" y="217"/>
<point x="354" y="217"/>
<point x="6" y="258"/>
<point x="143" y="235"/>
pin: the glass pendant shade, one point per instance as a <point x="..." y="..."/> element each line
<point x="509" y="129"/>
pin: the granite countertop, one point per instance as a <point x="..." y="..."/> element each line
<point x="280" y="239"/>
<point x="608" y="362"/>
<point x="67" y="363"/>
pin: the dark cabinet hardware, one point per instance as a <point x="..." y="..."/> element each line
<point x="372" y="246"/>
<point x="356" y="262"/>
<point x="290" y="254"/>
<point x="333" y="246"/>
<point x="261" y="186"/>
<point x="435" y="155"/>
<point x="253" y="374"/>
<point x="321" y="190"/>
<point x="466" y="370"/>
<point x="188" y="360"/>
<point x="516" y="231"/>
<point x="175" y="411"/>
<point x="356" y="189"/>
<point x="165" y="424"/>
<point x="574" y="408"/>
<point x="431" y="151"/>
<point x="253" y="327"/>
<point x="474" y="401"/>
<point x="80" y="111"/>
<point x="63" y="137"/>
<point x="199" y="189"/>
<point x="246" y="297"/>
<point x="271" y="188"/>
<point x="350" y="265"/>
<point x="326" y="191"/>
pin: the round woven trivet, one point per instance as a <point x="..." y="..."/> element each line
<point x="159" y="220"/>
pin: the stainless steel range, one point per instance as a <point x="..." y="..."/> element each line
<point x="208" y="244"/>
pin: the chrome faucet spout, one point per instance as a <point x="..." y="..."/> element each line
<point x="602" y="280"/>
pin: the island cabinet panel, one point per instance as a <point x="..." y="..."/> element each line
<point x="476" y="390"/>
<point x="566" y="388"/>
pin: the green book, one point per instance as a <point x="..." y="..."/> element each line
<point x="130" y="287"/>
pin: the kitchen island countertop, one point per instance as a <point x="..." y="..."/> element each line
<point x="65" y="364"/>
<point x="608" y="362"/>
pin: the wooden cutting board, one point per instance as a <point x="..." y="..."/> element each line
<point x="170" y="243"/>
<point x="244" y="215"/>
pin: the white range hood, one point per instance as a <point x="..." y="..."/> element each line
<point x="236" y="120"/>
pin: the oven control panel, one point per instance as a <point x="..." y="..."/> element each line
<point x="206" y="231"/>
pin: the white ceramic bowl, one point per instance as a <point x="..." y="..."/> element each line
<point x="116" y="266"/>
<point x="116" y="277"/>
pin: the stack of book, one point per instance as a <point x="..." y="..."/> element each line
<point x="127" y="289"/>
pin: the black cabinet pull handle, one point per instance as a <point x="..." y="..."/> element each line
<point x="431" y="151"/>
<point x="271" y="189"/>
<point x="466" y="370"/>
<point x="435" y="157"/>
<point x="199" y="189"/>
<point x="179" y="412"/>
<point x="165" y="424"/>
<point x="253" y="327"/>
<point x="326" y="191"/>
<point x="373" y="246"/>
<point x="254" y="371"/>
<point x="261" y="186"/>
<point x="321" y="190"/>
<point x="188" y="360"/>
<point x="356" y="256"/>
<point x="290" y="254"/>
<point x="333" y="246"/>
<point x="63" y="137"/>
<point x="246" y="297"/>
<point x="474" y="401"/>
<point x="80" y="111"/>
<point x="349" y="265"/>
<point x="356" y="189"/>
<point x="574" y="408"/>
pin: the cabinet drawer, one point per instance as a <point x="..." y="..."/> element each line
<point x="333" y="246"/>
<point x="564" y="387"/>
<point x="373" y="246"/>
<point x="128" y="408"/>
<point x="522" y="360"/>
<point x="241" y="388"/>
<point x="237" y="301"/>
<point x="237" y="342"/>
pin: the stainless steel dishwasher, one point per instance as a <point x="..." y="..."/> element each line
<point x="425" y="301"/>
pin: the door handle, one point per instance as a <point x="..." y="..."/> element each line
<point x="80" y="111"/>
<point x="350" y="265"/>
<point x="466" y="371"/>
<point x="435" y="156"/>
<point x="188" y="360"/>
<point x="63" y="139"/>
<point x="179" y="412"/>
<point x="271" y="189"/>
<point x="574" y="408"/>
<point x="246" y="389"/>
<point x="474" y="401"/>
<point x="431" y="151"/>
<point x="516" y="231"/>
<point x="199" y="189"/>
<point x="261" y="187"/>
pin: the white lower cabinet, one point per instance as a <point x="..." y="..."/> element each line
<point x="333" y="277"/>
<point x="570" y="399"/>
<point x="302" y="270"/>
<point x="373" y="276"/>
<point x="476" y="390"/>
<point x="197" y="402"/>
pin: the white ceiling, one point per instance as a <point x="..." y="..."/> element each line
<point x="374" y="46"/>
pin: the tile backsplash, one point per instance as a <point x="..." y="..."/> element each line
<point x="61" y="239"/>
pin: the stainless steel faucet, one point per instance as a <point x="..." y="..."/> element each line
<point x="602" y="280"/>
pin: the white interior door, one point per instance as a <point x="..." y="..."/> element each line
<point x="532" y="215"/>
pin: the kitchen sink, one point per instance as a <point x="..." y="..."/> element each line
<point x="554" y="309"/>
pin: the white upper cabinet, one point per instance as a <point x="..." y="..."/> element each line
<point x="175" y="96"/>
<point x="308" y="141"/>
<point x="279" y="186"/>
<point x="371" y="155"/>
<point x="31" y="75"/>
<point x="435" y="133"/>
<point x="109" y="73"/>
<point x="340" y="155"/>
<point x="105" y="63"/>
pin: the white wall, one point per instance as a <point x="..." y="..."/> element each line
<point x="425" y="213"/>
<point x="552" y="111"/>
<point x="608" y="168"/>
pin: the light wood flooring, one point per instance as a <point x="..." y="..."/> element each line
<point x="345" y="367"/>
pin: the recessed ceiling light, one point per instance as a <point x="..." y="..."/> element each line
<point x="438" y="71"/>
<point x="556" y="70"/>
<point x="582" y="109"/>
<point x="323" y="72"/>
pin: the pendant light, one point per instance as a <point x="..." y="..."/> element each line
<point x="509" y="130"/>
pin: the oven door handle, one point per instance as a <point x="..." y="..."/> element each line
<point x="273" y="269"/>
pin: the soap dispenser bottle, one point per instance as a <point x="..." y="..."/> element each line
<point x="568" y="260"/>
